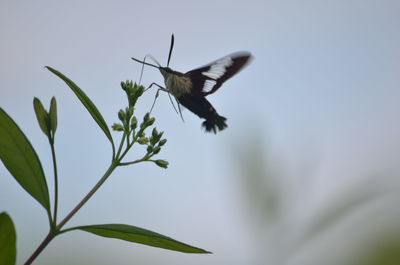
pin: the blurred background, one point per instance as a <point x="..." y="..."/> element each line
<point x="306" y="173"/>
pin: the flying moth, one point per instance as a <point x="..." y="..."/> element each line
<point x="190" y="89"/>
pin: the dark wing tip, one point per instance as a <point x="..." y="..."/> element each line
<point x="242" y="58"/>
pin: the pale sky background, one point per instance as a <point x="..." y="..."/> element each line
<point x="320" y="99"/>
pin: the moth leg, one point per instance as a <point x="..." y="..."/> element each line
<point x="154" y="102"/>
<point x="173" y="105"/>
<point x="179" y="108"/>
<point x="169" y="95"/>
<point x="156" y="96"/>
<point x="157" y="93"/>
<point x="155" y="84"/>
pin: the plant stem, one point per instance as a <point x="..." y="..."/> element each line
<point x="143" y="159"/>
<point x="89" y="195"/>
<point x="56" y="231"/>
<point x="53" y="153"/>
<point x="121" y="144"/>
<point x="42" y="246"/>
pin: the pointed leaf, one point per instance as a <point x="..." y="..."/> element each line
<point x="42" y="116"/>
<point x="8" y="238"/>
<point x="53" y="114"/>
<point x="21" y="160"/>
<point x="141" y="236"/>
<point x="89" y="105"/>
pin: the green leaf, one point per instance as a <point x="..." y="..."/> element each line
<point x="141" y="236"/>
<point x="21" y="160"/>
<point x="53" y="114"/>
<point x="89" y="105"/>
<point x="8" y="238"/>
<point x="42" y="116"/>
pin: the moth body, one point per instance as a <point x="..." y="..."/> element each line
<point x="176" y="83"/>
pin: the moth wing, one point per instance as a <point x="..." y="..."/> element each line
<point x="207" y="79"/>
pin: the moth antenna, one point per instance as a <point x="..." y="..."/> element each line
<point x="141" y="72"/>
<point x="154" y="59"/>
<point x="149" y="64"/>
<point x="170" y="49"/>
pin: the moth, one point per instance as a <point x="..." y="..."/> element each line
<point x="190" y="89"/>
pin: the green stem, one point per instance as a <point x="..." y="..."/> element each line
<point x="143" y="159"/>
<point x="42" y="246"/>
<point x="121" y="144"/>
<point x="56" y="231"/>
<point x="131" y="162"/>
<point x="89" y="195"/>
<point x="127" y="149"/>
<point x="53" y="154"/>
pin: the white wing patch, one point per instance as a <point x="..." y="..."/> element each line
<point x="218" y="68"/>
<point x="209" y="85"/>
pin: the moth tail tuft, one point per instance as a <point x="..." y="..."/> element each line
<point x="214" y="123"/>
